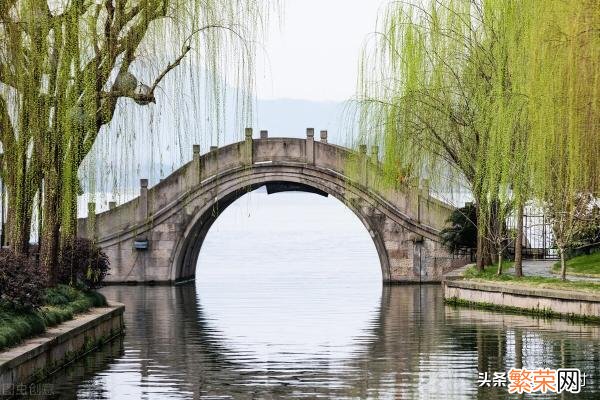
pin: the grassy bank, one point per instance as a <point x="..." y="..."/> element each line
<point x="489" y="275"/>
<point x="490" y="272"/>
<point x="61" y="304"/>
<point x="586" y="265"/>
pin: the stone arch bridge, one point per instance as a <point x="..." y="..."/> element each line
<point x="156" y="237"/>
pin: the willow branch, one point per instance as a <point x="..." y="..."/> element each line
<point x="170" y="67"/>
<point x="5" y="7"/>
<point x="7" y="77"/>
<point x="7" y="133"/>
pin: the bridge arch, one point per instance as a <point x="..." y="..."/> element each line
<point x="157" y="236"/>
<point x="190" y="243"/>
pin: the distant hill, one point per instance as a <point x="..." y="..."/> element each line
<point x="131" y="149"/>
<point x="290" y="118"/>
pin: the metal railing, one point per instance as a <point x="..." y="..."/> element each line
<point x="538" y="238"/>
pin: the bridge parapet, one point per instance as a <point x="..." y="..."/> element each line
<point x="169" y="213"/>
<point x="285" y="150"/>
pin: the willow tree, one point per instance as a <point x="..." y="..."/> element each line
<point x="552" y="53"/>
<point x="64" y="67"/>
<point x="559" y="74"/>
<point x="504" y="173"/>
<point x="436" y="93"/>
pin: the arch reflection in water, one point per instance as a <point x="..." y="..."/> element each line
<point x="299" y="261"/>
<point x="412" y="346"/>
<point x="288" y="312"/>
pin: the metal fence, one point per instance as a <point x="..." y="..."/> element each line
<point x="538" y="239"/>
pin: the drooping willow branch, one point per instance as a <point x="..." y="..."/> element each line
<point x="505" y="92"/>
<point x="65" y="65"/>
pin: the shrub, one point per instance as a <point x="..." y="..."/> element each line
<point x="586" y="235"/>
<point x="82" y="263"/>
<point x="22" y="283"/>
<point x="461" y="230"/>
<point x="62" y="302"/>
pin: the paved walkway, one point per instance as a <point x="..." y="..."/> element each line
<point x="544" y="268"/>
<point x="534" y="268"/>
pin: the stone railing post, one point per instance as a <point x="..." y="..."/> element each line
<point x="247" y="147"/>
<point x="91" y="225"/>
<point x="194" y="171"/>
<point x="373" y="166"/>
<point x="375" y="154"/>
<point x="310" y="146"/>
<point x="112" y="205"/>
<point x="425" y="190"/>
<point x="423" y="195"/>
<point x="264" y="134"/>
<point x="323" y="136"/>
<point x="363" y="163"/>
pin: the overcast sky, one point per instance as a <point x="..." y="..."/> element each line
<point x="314" y="54"/>
<point x="311" y="56"/>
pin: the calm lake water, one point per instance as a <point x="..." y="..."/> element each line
<point x="288" y="303"/>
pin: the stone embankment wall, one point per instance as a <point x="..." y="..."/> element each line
<point x="38" y="357"/>
<point x="534" y="300"/>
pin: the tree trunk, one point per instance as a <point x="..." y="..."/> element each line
<point x="50" y="228"/>
<point x="499" y="262"/>
<point x="487" y="251"/>
<point x="21" y="183"/>
<point x="490" y="254"/>
<point x="494" y="231"/>
<point x="481" y="242"/>
<point x="480" y="250"/>
<point x="519" y="242"/>
<point x="19" y="228"/>
<point x="19" y="219"/>
<point x="68" y="224"/>
<point x="563" y="264"/>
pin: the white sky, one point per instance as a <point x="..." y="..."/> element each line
<point x="314" y="54"/>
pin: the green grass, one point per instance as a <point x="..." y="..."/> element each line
<point x="489" y="271"/>
<point x="489" y="275"/>
<point x="61" y="304"/>
<point x="588" y="265"/>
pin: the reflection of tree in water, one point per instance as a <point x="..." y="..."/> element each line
<point x="414" y="347"/>
<point x="506" y="341"/>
